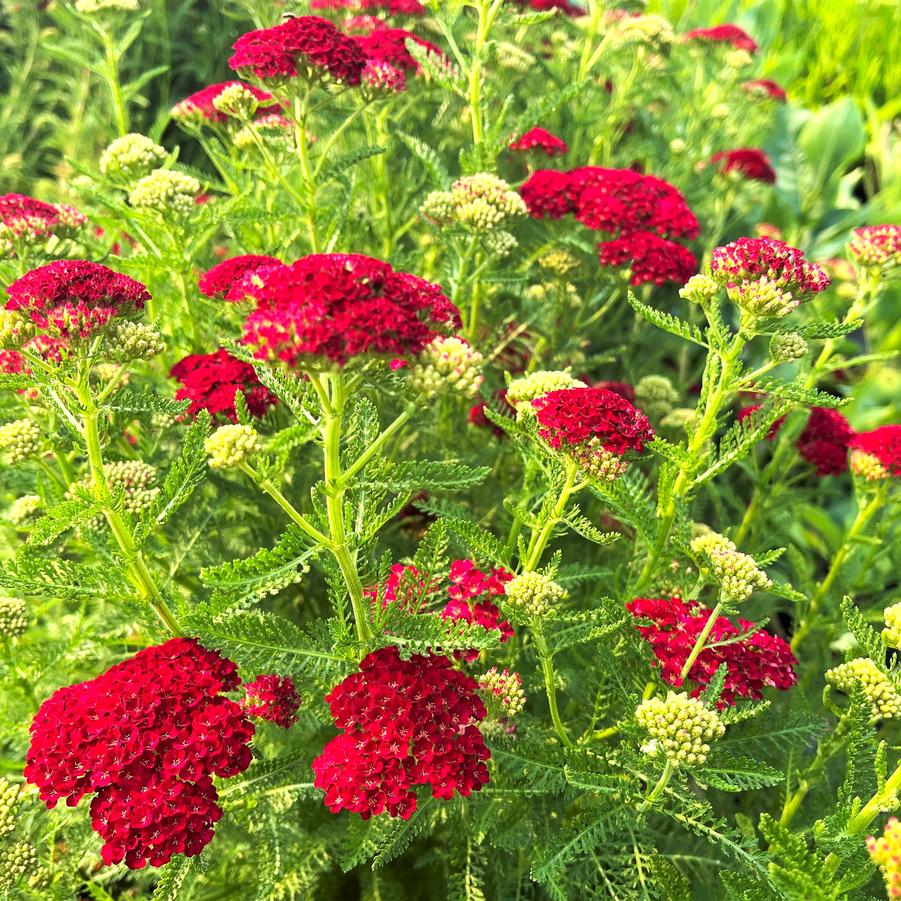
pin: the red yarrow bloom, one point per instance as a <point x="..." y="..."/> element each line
<point x="748" y="260"/>
<point x="650" y="259"/>
<point x="200" y="103"/>
<point x="754" y="661"/>
<point x="540" y="139"/>
<point x="26" y="220"/>
<point x="147" y="735"/>
<point x="569" y="9"/>
<point x="305" y="46"/>
<point x="12" y="362"/>
<point x="876" y="245"/>
<point x="549" y="193"/>
<point x="763" y="86"/>
<point x="211" y="381"/>
<point x="724" y="34"/>
<point x="225" y="281"/>
<point x="273" y="698"/>
<point x="392" y="7"/>
<point x="388" y="46"/>
<point x="404" y="723"/>
<point x="340" y="306"/>
<point x="824" y="441"/>
<point x="749" y="162"/>
<point x="884" y="444"/>
<point x="74" y="298"/>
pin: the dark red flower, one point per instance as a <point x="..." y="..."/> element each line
<point x="12" y="362"/>
<point x="749" y="162"/>
<point x="146" y="735"/>
<point x="392" y="7"/>
<point x="23" y="217"/>
<point x="725" y="34"/>
<point x="225" y="280"/>
<point x="211" y="381"/>
<point x="340" y="306"/>
<point x="649" y="258"/>
<point x="824" y="441"/>
<point x="74" y="298"/>
<point x="757" y="660"/>
<point x="540" y="139"/>
<point x="404" y="723"/>
<point x="884" y="444"/>
<point x="767" y="87"/>
<point x="304" y="46"/>
<point x="389" y="46"/>
<point x="200" y="103"/>
<point x="569" y="9"/>
<point x="548" y="192"/>
<point x="751" y="259"/>
<point x="273" y="698"/>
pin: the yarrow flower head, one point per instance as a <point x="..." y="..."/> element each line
<point x="134" y="481"/>
<point x="750" y="163"/>
<point x="131" y="156"/>
<point x="736" y="37"/>
<point x="504" y="690"/>
<point x="680" y="726"/>
<point x="885" y="852"/>
<point x="273" y="698"/>
<point x="824" y="441"/>
<point x="447" y="364"/>
<point x="403" y="723"/>
<point x="763" y="87"/>
<point x="533" y="595"/>
<point x="594" y="426"/>
<point x="21" y="439"/>
<point x="166" y="191"/>
<point x="540" y="139"/>
<point x="656" y="395"/>
<point x="522" y="391"/>
<point x="74" y="298"/>
<point x="219" y="102"/>
<point x="13" y="618"/>
<point x="210" y="382"/>
<point x="24" y="510"/>
<point x="699" y="289"/>
<point x="26" y="221"/>
<point x="126" y="341"/>
<point x="341" y="306"/>
<point x="232" y="279"/>
<point x="876" y="455"/>
<point x="9" y="799"/>
<point x="876" y="245"/>
<point x="878" y="689"/>
<point x="788" y="347"/>
<point x="147" y="736"/>
<point x="651" y="31"/>
<point x="753" y="661"/>
<point x="17" y="860"/>
<point x="388" y="48"/>
<point x="480" y="202"/>
<point x="891" y="634"/>
<point x="738" y="574"/>
<point x="308" y="47"/>
<point x="231" y="445"/>
<point x="649" y="258"/>
<point x="766" y="277"/>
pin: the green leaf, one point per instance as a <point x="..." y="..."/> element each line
<point x="402" y="832"/>
<point x="61" y="518"/>
<point x="425" y="475"/>
<point x="667" y="322"/>
<point x="479" y="541"/>
<point x="582" y="626"/>
<point x="128" y="400"/>
<point x="797" y="392"/>
<point x="429" y="158"/>
<point x="734" y="773"/>
<point x="832" y="137"/>
<point x="346" y="161"/>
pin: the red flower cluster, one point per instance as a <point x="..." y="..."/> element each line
<point x="200" y="103"/>
<point x="649" y="258"/>
<point x="389" y="45"/>
<point x="211" y="381"/>
<point x="30" y="220"/>
<point x="765" y="86"/>
<point x="340" y="306"/>
<point x="12" y="362"/>
<point x="573" y="416"/>
<point x="305" y="46"/>
<point x="540" y="139"/>
<point x="225" y="280"/>
<point x="404" y="723"/>
<point x="824" y="441"/>
<point x="876" y="245"/>
<point x="146" y="735"/>
<point x="884" y="444"/>
<point x="753" y="662"/>
<point x="725" y="34"/>
<point x="751" y="259"/>
<point x="749" y="162"/>
<point x="392" y="7"/>
<point x="74" y="298"/>
<point x="274" y="699"/>
<point x="569" y="9"/>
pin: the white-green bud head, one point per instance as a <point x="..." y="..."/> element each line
<point x="877" y="688"/>
<point x="681" y="726"/>
<point x="533" y="595"/>
<point x="699" y="289"/>
<point x="522" y="391"/>
<point x="447" y="364"/>
<point x="13" y="617"/>
<point x="9" y="799"/>
<point x="231" y="445"/>
<point x="166" y="191"/>
<point x="785" y="348"/>
<point x="655" y="395"/>
<point x="131" y="156"/>
<point x="891" y="634"/>
<point x="17" y="861"/>
<point x="21" y="439"/>
<point x="126" y="341"/>
<point x="24" y="510"/>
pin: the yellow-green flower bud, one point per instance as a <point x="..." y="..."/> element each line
<point x="878" y="690"/>
<point x="447" y="364"/>
<point x="558" y="261"/>
<point x="438" y="208"/>
<point x="680" y="418"/>
<point x="533" y="595"/>
<point x="655" y="395"/>
<point x="762" y="297"/>
<point x="651" y="30"/>
<point x="699" y="289"/>
<point x="484" y="201"/>
<point x="21" y="439"/>
<point x="500" y="243"/>
<point x="512" y="56"/>
<point x="16" y="861"/>
<point x="13" y="617"/>
<point x="236" y="101"/>
<point x="891" y="634"/>
<point x="232" y="445"/>
<point x="523" y="391"/>
<point x="165" y="190"/>
<point x="681" y="726"/>
<point x="15" y="329"/>
<point x="738" y="59"/>
<point x="503" y="689"/>
<point x="131" y="157"/>
<point x="785" y="348"/>
<point x="126" y="341"/>
<point x="738" y="574"/>
<point x="23" y="510"/>
<point x="866" y="466"/>
<point x="9" y="798"/>
<point x="96" y="6"/>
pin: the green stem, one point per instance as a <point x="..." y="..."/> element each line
<point x="699" y="642"/>
<point x="550" y="685"/>
<point x="542" y="536"/>
<point x="112" y="81"/>
<point x="306" y="167"/>
<point x="472" y="327"/>
<point x="377" y="445"/>
<point x="293" y="513"/>
<point x="658" y="789"/>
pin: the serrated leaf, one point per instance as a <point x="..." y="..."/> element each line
<point x="737" y="773"/>
<point x="667" y="322"/>
<point x="797" y="392"/>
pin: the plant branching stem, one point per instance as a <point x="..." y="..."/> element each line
<point x="700" y="642"/>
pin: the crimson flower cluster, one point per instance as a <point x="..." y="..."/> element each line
<point x="749" y="260"/>
<point x="341" y="306"/>
<point x="392" y="7"/>
<point x="749" y="162"/>
<point x="404" y="723"/>
<point x="736" y="37"/>
<point x="272" y="698"/>
<point x="540" y="139"/>
<point x="211" y="381"/>
<point x="23" y="217"/>
<point x="305" y="46"/>
<point x="147" y="736"/>
<point x="569" y="9"/>
<point x="225" y="281"/>
<point x="572" y="417"/>
<point x="884" y="444"/>
<point x="754" y="661"/>
<point x="388" y="62"/>
<point x="75" y="298"/>
<point x="200" y="103"/>
<point x="645" y="212"/>
<point x="765" y="86"/>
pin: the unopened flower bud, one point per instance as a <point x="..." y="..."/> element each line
<point x="447" y="364"/>
<point x="21" y="439"/>
<point x="680" y="418"/>
<point x="785" y="348"/>
<point x="738" y="59"/>
<point x="9" y="797"/>
<point x="16" y="862"/>
<point x="483" y="201"/>
<point x="524" y="390"/>
<point x="13" y="617"/>
<point x="699" y="289"/>
<point x="438" y="208"/>
<point x="651" y="30"/>
<point x="877" y="688"/>
<point x="763" y="297"/>
<point x="96" y="6"/>
<point x="720" y="111"/>
<point x="232" y="445"/>
<point x="126" y="341"/>
<point x="237" y="101"/>
<point x="533" y="595"/>
<point x="23" y="510"/>
<point x="866" y="466"/>
<point x="876" y="245"/>
<point x="891" y="634"/>
<point x="165" y="190"/>
<point x="677" y="146"/>
<point x="558" y="261"/>
<point x="131" y="156"/>
<point x="500" y="243"/>
<point x="681" y="726"/>
<point x="655" y="395"/>
<point x="504" y="689"/>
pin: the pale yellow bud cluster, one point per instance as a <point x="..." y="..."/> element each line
<point x="481" y="202"/>
<point x="237" y="101"/>
<point x="24" y="509"/>
<point x="877" y="688"/>
<point x="504" y="689"/>
<point x="533" y="595"/>
<point x="885" y="852"/>
<point x="447" y="364"/>
<point x="16" y="861"/>
<point x="699" y="289"/>
<point x="165" y="190"/>
<point x="545" y="290"/>
<point x="738" y="574"/>
<point x="15" y="330"/>
<point x="866" y="466"/>
<point x="272" y="129"/>
<point x="512" y="56"/>
<point x="785" y="348"/>
<point x="21" y="439"/>
<point x="9" y="798"/>
<point x="602" y="465"/>
<point x="680" y="418"/>
<point x="13" y="617"/>
<point x="738" y="59"/>
<point x="521" y="392"/>
<point x="500" y="243"/>
<point x="133" y="480"/>
<point x="762" y="297"/>
<point x="131" y="156"/>
<point x="655" y="395"/>
<point x="891" y="634"/>
<point x="96" y="6"/>
<point x="652" y="31"/>
<point x="231" y="445"/>
<point x="126" y="341"/>
<point x="681" y="726"/>
<point x="558" y="261"/>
